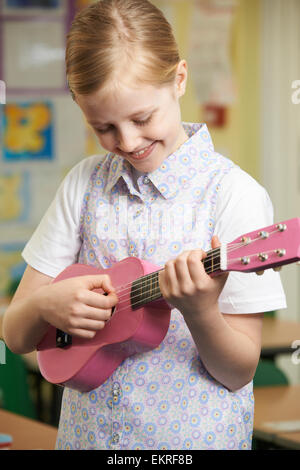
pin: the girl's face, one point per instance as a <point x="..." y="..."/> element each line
<point x="141" y="123"/>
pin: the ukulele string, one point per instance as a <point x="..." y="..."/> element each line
<point x="151" y="291"/>
<point x="123" y="289"/>
<point x="156" y="290"/>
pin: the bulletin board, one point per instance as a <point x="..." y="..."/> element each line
<point x="43" y="133"/>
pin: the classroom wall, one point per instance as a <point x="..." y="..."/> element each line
<point x="239" y="139"/>
<point x="28" y="184"/>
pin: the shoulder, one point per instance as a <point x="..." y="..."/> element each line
<point x="236" y="184"/>
<point x="57" y="241"/>
<point x="242" y="205"/>
<point x="85" y="168"/>
<point x="69" y="197"/>
<point x="76" y="181"/>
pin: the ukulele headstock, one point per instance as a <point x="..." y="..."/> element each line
<point x="269" y="247"/>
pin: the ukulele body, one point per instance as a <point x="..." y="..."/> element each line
<point x="87" y="363"/>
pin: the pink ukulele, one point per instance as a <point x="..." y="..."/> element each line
<point x="141" y="318"/>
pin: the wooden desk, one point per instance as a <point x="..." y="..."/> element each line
<point x="26" y="433"/>
<point x="278" y="336"/>
<point x="38" y="382"/>
<point x="274" y="404"/>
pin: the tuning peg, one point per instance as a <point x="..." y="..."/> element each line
<point x="260" y="273"/>
<point x="278" y="268"/>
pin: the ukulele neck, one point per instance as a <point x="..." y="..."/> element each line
<point x="146" y="288"/>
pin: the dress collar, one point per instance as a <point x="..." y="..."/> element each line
<point x="171" y="176"/>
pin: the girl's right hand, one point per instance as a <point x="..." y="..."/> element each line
<point x="71" y="305"/>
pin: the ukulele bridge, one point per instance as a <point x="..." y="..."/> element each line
<point x="63" y="339"/>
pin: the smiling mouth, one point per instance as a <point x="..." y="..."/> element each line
<point x="142" y="153"/>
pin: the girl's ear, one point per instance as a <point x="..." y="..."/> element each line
<point x="181" y="78"/>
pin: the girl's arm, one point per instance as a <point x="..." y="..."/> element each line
<point x="23" y="325"/>
<point x="70" y="305"/>
<point x="229" y="345"/>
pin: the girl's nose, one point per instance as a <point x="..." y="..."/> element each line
<point x="128" y="140"/>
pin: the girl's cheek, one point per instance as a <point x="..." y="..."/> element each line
<point x="156" y="133"/>
<point x="106" y="142"/>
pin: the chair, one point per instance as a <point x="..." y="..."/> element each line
<point x="267" y="373"/>
<point x="15" y="393"/>
<point x="14" y="388"/>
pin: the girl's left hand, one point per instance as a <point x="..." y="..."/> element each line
<point x="185" y="284"/>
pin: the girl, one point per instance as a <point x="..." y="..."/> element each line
<point x="162" y="194"/>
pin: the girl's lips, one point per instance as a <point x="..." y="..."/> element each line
<point x="144" y="153"/>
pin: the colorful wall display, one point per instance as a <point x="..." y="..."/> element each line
<point x="14" y="197"/>
<point x="27" y="131"/>
<point x="34" y="7"/>
<point x="12" y="266"/>
<point x="41" y="133"/>
<point x="43" y="4"/>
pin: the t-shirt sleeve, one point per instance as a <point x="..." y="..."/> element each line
<point x="243" y="206"/>
<point x="56" y="242"/>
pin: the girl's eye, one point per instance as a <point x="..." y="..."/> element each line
<point x="143" y="122"/>
<point x="103" y="131"/>
<point x="140" y="122"/>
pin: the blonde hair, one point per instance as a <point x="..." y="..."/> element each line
<point x="111" y="39"/>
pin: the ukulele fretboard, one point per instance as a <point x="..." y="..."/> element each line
<point x="146" y="289"/>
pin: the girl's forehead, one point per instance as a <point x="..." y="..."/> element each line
<point x="127" y="87"/>
<point x="122" y="103"/>
<point x="121" y="97"/>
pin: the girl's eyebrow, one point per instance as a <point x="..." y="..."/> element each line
<point x="133" y="116"/>
<point x="143" y="112"/>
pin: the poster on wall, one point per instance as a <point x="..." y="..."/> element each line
<point x="27" y="131"/>
<point x="25" y="196"/>
<point x="33" y="6"/>
<point x="32" y="55"/>
<point x="15" y="197"/>
<point x="210" y="51"/>
<point x="12" y="266"/>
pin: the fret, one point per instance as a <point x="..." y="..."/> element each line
<point x="156" y="290"/>
<point x="212" y="262"/>
<point x="148" y="292"/>
<point x="146" y="289"/>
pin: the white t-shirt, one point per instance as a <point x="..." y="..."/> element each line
<point x="241" y="201"/>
